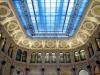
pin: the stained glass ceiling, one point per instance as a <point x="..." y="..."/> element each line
<point x="50" y="18"/>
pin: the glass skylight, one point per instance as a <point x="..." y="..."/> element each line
<point x="50" y="18"/>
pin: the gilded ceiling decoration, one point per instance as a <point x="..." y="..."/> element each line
<point x="9" y="20"/>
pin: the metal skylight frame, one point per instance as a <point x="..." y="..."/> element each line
<point x="62" y="17"/>
<point x="54" y="13"/>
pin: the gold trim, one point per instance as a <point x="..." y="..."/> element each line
<point x="80" y="38"/>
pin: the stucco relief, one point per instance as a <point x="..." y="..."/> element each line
<point x="11" y="24"/>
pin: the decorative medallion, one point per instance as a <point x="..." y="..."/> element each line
<point x="12" y="26"/>
<point x="96" y="10"/>
<point x="89" y="26"/>
<point x="50" y="43"/>
<point x="37" y="44"/>
<point x="4" y="11"/>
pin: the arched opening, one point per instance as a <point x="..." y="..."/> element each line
<point x="61" y="57"/>
<point x="98" y="43"/>
<point x="82" y="54"/>
<point x="66" y="72"/>
<point x="90" y="50"/>
<point x="53" y="57"/>
<point x="67" y="57"/>
<point x="19" y="55"/>
<point x="77" y="56"/>
<point x="10" y="51"/>
<point x="39" y="57"/>
<point x="2" y="43"/>
<point x="83" y="72"/>
<point x="24" y="56"/>
<point x="97" y="72"/>
<point x="47" y="58"/>
<point x="33" y="57"/>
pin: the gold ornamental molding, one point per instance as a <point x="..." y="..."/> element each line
<point x="11" y="24"/>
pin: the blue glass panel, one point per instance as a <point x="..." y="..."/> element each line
<point x="50" y="18"/>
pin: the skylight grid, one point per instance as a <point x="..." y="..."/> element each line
<point x="50" y="17"/>
<point x="51" y="13"/>
<point x="23" y="16"/>
<point x="33" y="18"/>
<point x="68" y="14"/>
<point x="20" y="14"/>
<point x="76" y="14"/>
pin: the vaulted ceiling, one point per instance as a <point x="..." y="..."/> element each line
<point x="11" y="22"/>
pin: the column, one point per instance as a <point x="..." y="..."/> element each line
<point x="18" y="72"/>
<point x="57" y="58"/>
<point x="96" y="43"/>
<point x="74" y="71"/>
<point x="98" y="63"/>
<point x="87" y="53"/>
<point x="89" y="69"/>
<point x="2" y="43"/>
<point x="58" y="71"/>
<point x="2" y="66"/>
<point x="27" y="71"/>
<point x="12" y="69"/>
<point x="72" y="57"/>
<point x="42" y="71"/>
<point x="14" y="53"/>
<point x="29" y="57"/>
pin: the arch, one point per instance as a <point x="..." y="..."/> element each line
<point x="83" y="72"/>
<point x="82" y="54"/>
<point x="77" y="56"/>
<point x="68" y="72"/>
<point x="10" y="51"/>
<point x="33" y="57"/>
<point x="39" y="57"/>
<point x="67" y="57"/>
<point x="98" y="42"/>
<point x="18" y="55"/>
<point x="53" y="57"/>
<point x="90" y="50"/>
<point x="50" y="71"/>
<point x="18" y="72"/>
<point x="61" y="57"/>
<point x="24" y="56"/>
<point x="35" y="72"/>
<point x="47" y="57"/>
<point x="2" y="43"/>
<point x="97" y="71"/>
